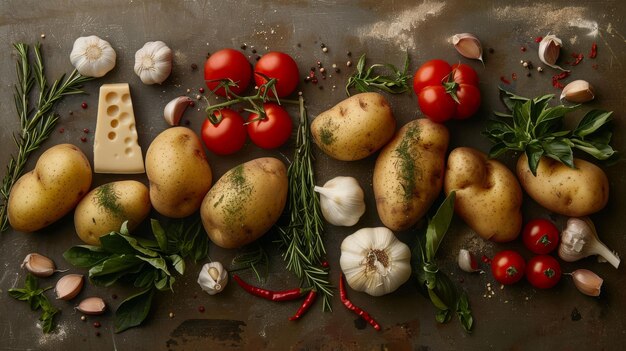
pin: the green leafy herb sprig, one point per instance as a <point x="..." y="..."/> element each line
<point x="34" y="296"/>
<point x="147" y="264"/>
<point x="395" y="81"/>
<point x="537" y="129"/>
<point x="252" y="257"/>
<point x="38" y="122"/>
<point x="434" y="283"/>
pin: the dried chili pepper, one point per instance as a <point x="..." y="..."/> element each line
<point x="349" y="305"/>
<point x="284" y="295"/>
<point x="594" y="50"/>
<point x="577" y="58"/>
<point x="306" y="304"/>
<point x="504" y="80"/>
<point x="557" y="78"/>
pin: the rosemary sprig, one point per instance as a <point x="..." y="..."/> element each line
<point x="367" y="80"/>
<point x="302" y="238"/>
<point x="36" y="124"/>
<point x="254" y="258"/>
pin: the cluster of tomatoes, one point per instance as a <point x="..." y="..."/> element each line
<point x="227" y="132"/>
<point x="542" y="271"/>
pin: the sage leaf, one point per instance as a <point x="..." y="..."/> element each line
<point x="133" y="310"/>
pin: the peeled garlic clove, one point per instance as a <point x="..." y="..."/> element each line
<point x="549" y="51"/>
<point x="578" y="91"/>
<point x="342" y="201"/>
<point x="468" y="45"/>
<point x="153" y="62"/>
<point x="213" y="278"/>
<point x="92" y="306"/>
<point x="69" y="286"/>
<point x="467" y="262"/>
<point x="174" y="110"/>
<point x="587" y="282"/>
<point x="38" y="265"/>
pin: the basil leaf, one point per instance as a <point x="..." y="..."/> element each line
<point x="31" y="282"/>
<point x="159" y="234"/>
<point x="438" y="226"/>
<point x="158" y="263"/>
<point x="509" y="99"/>
<point x="534" y="154"/>
<point x="597" y="150"/>
<point x="19" y="294"/>
<point x="137" y="247"/>
<point x="436" y="300"/>
<point x="591" y="122"/>
<point x="133" y="311"/>
<point x="178" y="263"/>
<point x="551" y="118"/>
<point x="445" y="290"/>
<point x="115" y="264"/>
<point x="124" y="229"/>
<point x="464" y="312"/>
<point x="560" y="151"/>
<point x="147" y="243"/>
<point x="442" y="316"/>
<point x="146" y="278"/>
<point x="109" y="279"/>
<point x="116" y="244"/>
<point x="161" y="282"/>
<point x="85" y="256"/>
<point x="360" y="64"/>
<point x="497" y="150"/>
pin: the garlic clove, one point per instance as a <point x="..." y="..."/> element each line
<point x="92" y="56"/>
<point x="213" y="278"/>
<point x="38" y="265"/>
<point x="342" y="201"/>
<point x="578" y="91"/>
<point x="587" y="282"/>
<point x="92" y="306"/>
<point x="467" y="262"/>
<point x="468" y="45"/>
<point x="69" y="286"/>
<point x="153" y="62"/>
<point x="174" y="110"/>
<point x="549" y="51"/>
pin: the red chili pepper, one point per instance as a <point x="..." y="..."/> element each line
<point x="577" y="58"/>
<point x="557" y="78"/>
<point x="284" y="295"/>
<point x="594" y="50"/>
<point x="504" y="80"/>
<point x="538" y="39"/>
<point x="306" y="304"/>
<point x="349" y="305"/>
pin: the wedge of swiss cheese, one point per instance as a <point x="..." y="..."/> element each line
<point x="115" y="147"/>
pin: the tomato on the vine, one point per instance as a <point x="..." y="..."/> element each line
<point x="280" y="66"/>
<point x="446" y="92"/>
<point x="271" y="131"/>
<point x="226" y="134"/>
<point x="508" y="267"/>
<point x="543" y="271"/>
<point x="227" y="64"/>
<point x="540" y="236"/>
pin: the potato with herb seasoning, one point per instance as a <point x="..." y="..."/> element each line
<point x="62" y="176"/>
<point x="408" y="174"/>
<point x="178" y="171"/>
<point x="354" y="128"/>
<point x="245" y="202"/>
<point x="106" y="207"/>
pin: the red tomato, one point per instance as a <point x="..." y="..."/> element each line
<point x="272" y="131"/>
<point x="226" y="137"/>
<point x="227" y="64"/>
<point x="508" y="267"/>
<point x="540" y="236"/>
<point x="445" y="92"/>
<point x="280" y="66"/>
<point x="543" y="271"/>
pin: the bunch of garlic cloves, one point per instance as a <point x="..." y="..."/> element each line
<point x="579" y="239"/>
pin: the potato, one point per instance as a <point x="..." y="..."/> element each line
<point x="408" y="174"/>
<point x="245" y="202"/>
<point x="564" y="190"/>
<point x="106" y="207"/>
<point x="62" y="176"/>
<point x="354" y="128"/>
<point x="488" y="196"/>
<point x="178" y="171"/>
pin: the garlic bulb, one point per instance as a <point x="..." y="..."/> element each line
<point x="375" y="261"/>
<point x="579" y="240"/>
<point x="213" y="278"/>
<point x="549" y="50"/>
<point x="468" y="45"/>
<point x="153" y="62"/>
<point x="342" y="201"/>
<point x="92" y="56"/>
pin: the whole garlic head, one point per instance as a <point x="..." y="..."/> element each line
<point x="153" y="62"/>
<point x="375" y="261"/>
<point x="213" y="278"/>
<point x="92" y="56"/>
<point x="341" y="201"/>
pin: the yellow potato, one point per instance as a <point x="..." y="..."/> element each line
<point x="106" y="207"/>
<point x="571" y="192"/>
<point x="178" y="171"/>
<point x="62" y="176"/>
<point x="245" y="202"/>
<point x="408" y="175"/>
<point x="488" y="196"/>
<point x="354" y="128"/>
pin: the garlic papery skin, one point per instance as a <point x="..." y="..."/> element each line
<point x="153" y="62"/>
<point x="38" y="265"/>
<point x="468" y="45"/>
<point x="375" y="261"/>
<point x="467" y="262"/>
<point x="587" y="282"/>
<point x="69" y="286"/>
<point x="213" y="278"/>
<point x="173" y="111"/>
<point x="342" y="201"/>
<point x="549" y="50"/>
<point x="578" y="91"/>
<point x="92" y="56"/>
<point x="579" y="240"/>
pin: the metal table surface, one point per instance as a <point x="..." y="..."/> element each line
<point x="515" y="318"/>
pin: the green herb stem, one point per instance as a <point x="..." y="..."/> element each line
<point x="394" y="82"/>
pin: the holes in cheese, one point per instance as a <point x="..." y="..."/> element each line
<point x="115" y="148"/>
